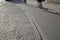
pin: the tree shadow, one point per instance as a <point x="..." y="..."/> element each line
<point x="51" y="11"/>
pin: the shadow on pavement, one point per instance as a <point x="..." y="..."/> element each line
<point x="51" y="11"/>
<point x="16" y="1"/>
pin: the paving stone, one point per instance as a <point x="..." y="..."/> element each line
<point x="15" y="25"/>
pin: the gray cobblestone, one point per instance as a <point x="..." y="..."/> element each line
<point x="15" y="25"/>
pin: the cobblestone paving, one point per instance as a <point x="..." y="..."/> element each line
<point x="15" y="25"/>
<point x="3" y="3"/>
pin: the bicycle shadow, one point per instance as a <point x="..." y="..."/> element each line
<point x="16" y="1"/>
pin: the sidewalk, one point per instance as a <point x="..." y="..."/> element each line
<point x="2" y="0"/>
<point x="53" y="7"/>
<point x="2" y="3"/>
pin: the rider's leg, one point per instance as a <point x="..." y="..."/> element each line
<point x="25" y="1"/>
<point x="40" y="5"/>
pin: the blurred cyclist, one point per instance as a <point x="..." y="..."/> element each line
<point x="40" y="3"/>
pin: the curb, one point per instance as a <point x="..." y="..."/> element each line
<point x="43" y="37"/>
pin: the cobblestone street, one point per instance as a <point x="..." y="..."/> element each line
<point x="15" y="25"/>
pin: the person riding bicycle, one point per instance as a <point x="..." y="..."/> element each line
<point x="40" y="3"/>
